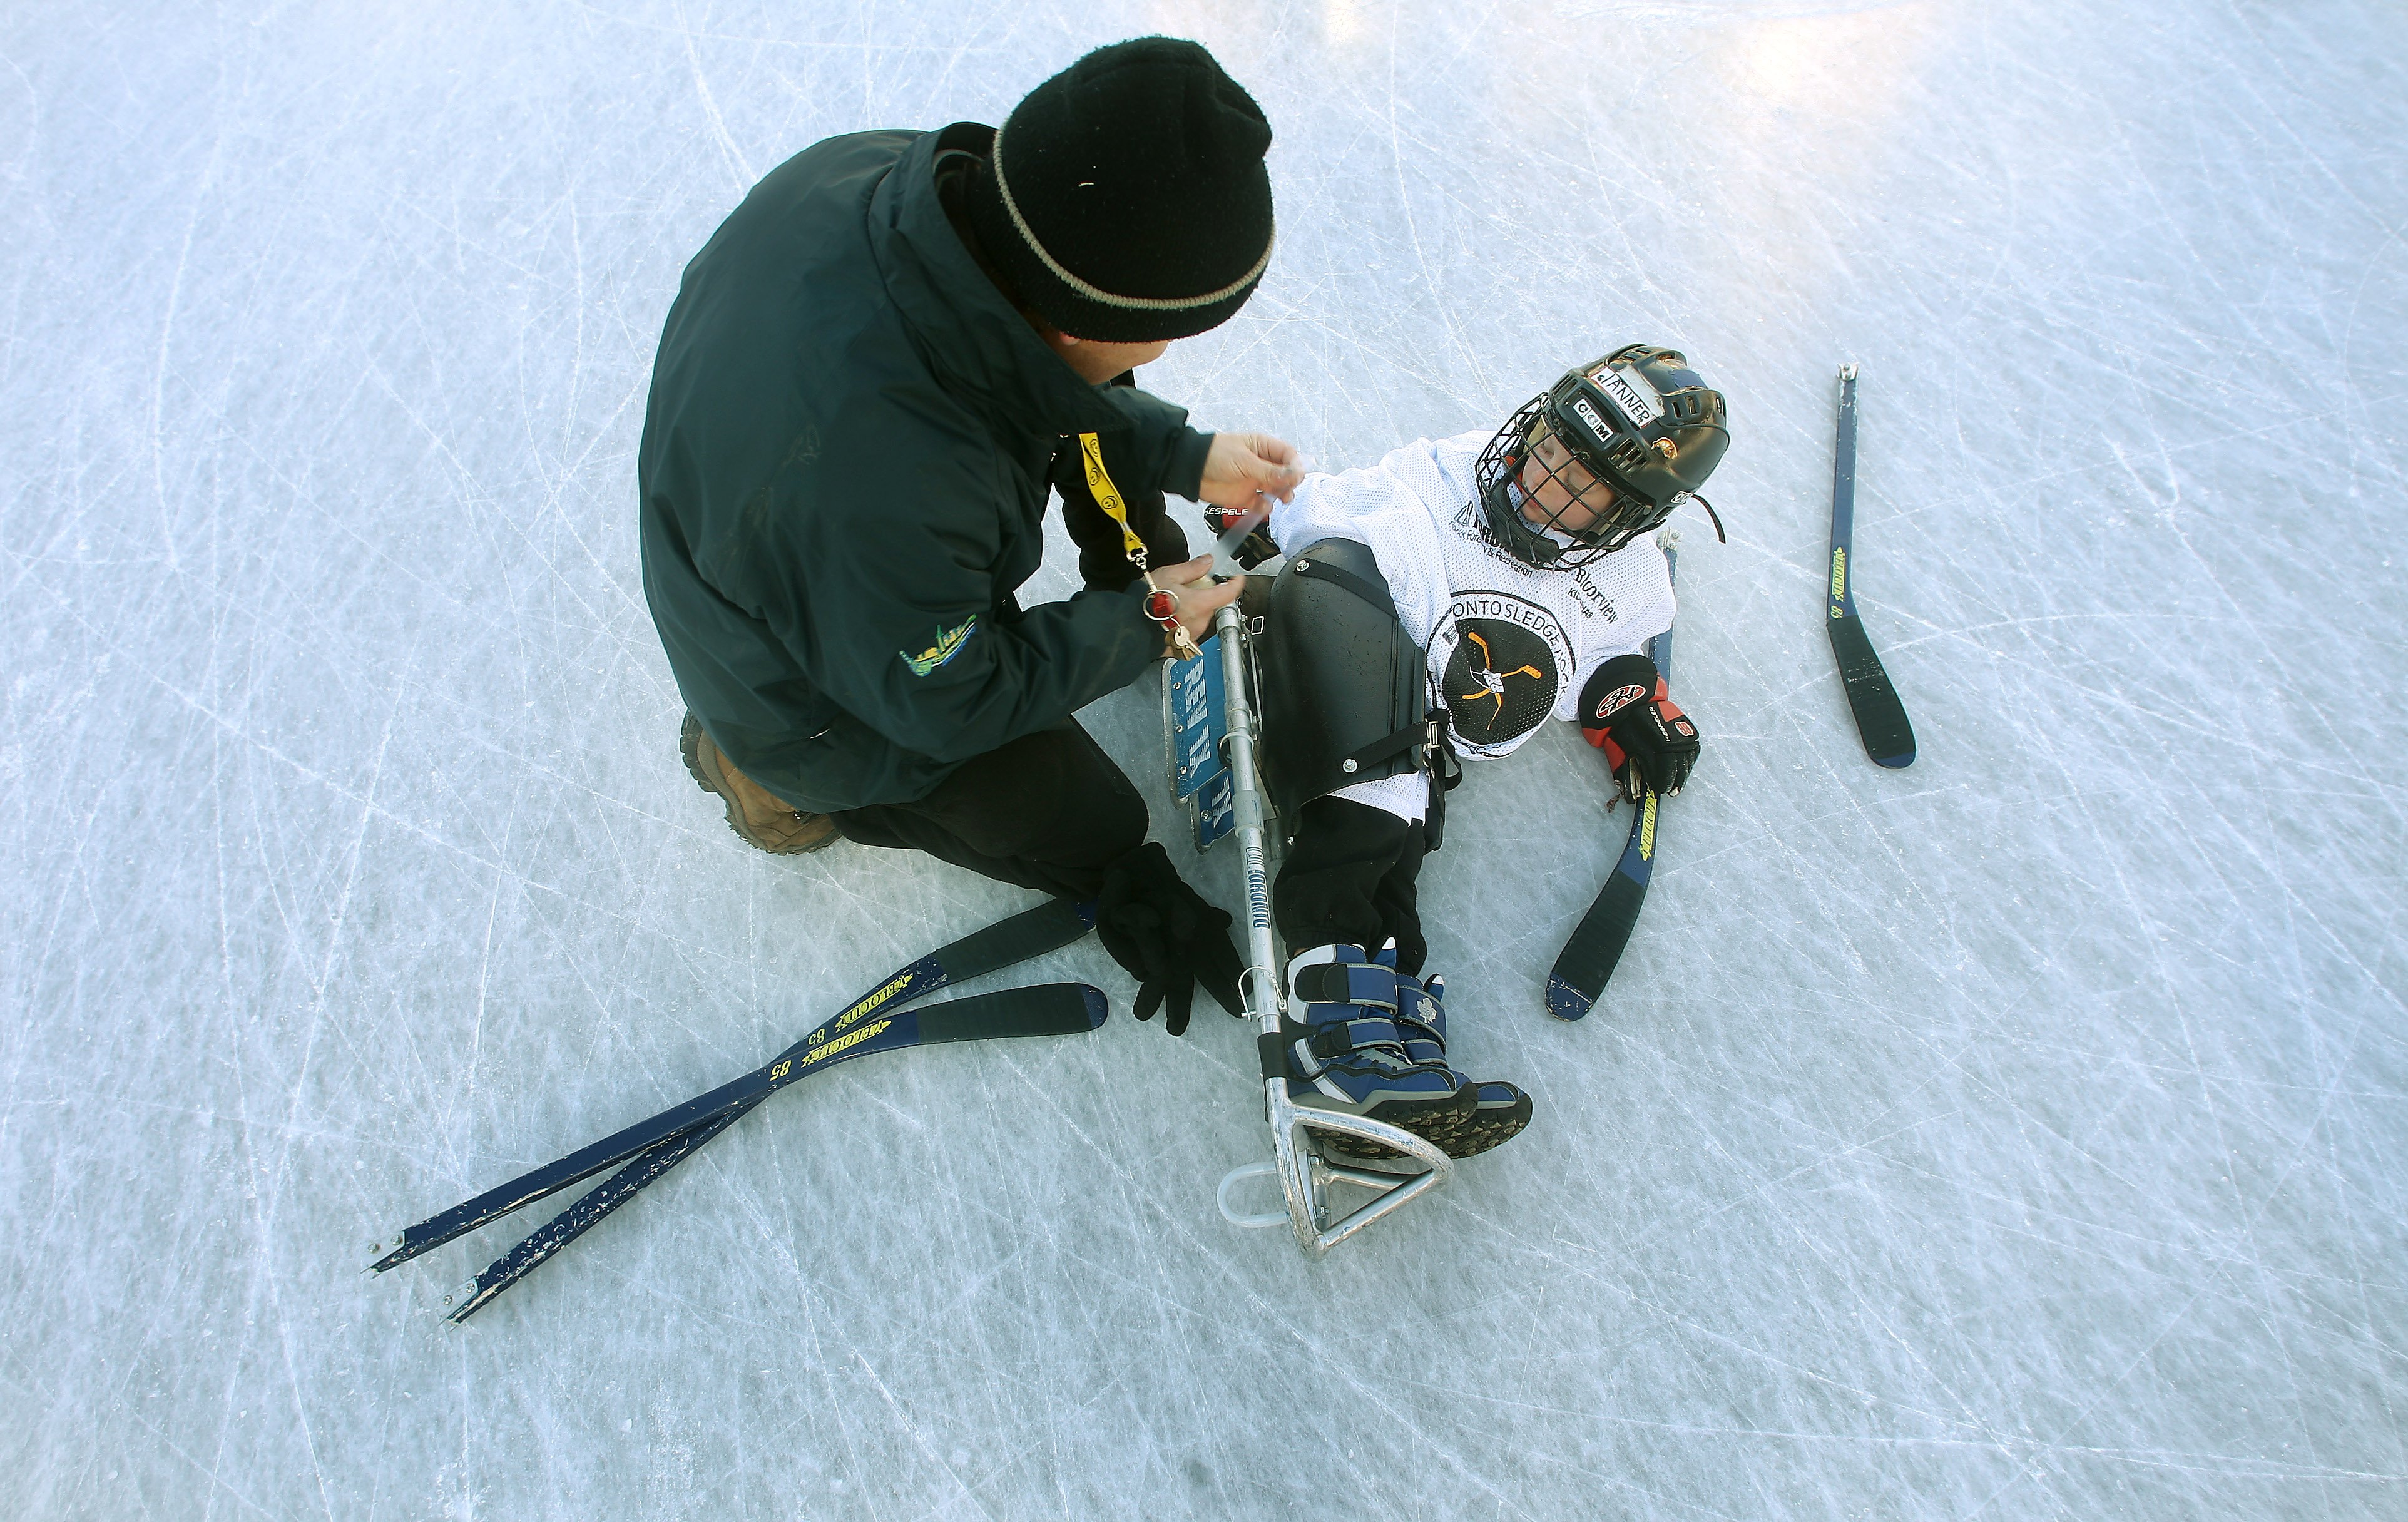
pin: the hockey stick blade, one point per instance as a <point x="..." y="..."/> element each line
<point x="1059" y="1008"/>
<point x="1594" y="948"/>
<point x="1030" y="933"/>
<point x="1881" y="718"/>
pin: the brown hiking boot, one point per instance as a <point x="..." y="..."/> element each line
<point x="761" y="817"/>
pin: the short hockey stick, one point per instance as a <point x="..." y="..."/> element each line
<point x="540" y="1244"/>
<point x="1595" y="946"/>
<point x="1881" y="718"/>
<point x="1050" y="924"/>
<point x="1054" y="1009"/>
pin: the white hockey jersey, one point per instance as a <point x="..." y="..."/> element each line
<point x="1508" y="646"/>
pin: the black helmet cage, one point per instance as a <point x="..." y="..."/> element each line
<point x="1648" y="444"/>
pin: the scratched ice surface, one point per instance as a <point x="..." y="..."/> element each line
<point x="2016" y="1136"/>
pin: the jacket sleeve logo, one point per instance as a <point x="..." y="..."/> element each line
<point x="949" y="644"/>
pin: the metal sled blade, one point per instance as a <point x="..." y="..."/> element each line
<point x="1305" y="1175"/>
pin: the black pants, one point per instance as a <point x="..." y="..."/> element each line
<point x="1349" y="878"/>
<point x="1047" y="810"/>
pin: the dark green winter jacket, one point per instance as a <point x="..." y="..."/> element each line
<point x="844" y="472"/>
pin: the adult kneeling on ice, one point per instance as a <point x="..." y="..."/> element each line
<point x="873" y="373"/>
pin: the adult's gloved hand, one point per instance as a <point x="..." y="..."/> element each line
<point x="1167" y="937"/>
<point x="1627" y="712"/>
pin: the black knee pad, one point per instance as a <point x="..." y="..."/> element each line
<point x="1344" y="697"/>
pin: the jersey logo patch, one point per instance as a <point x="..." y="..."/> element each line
<point x="1499" y="681"/>
<point x="1492" y="681"/>
<point x="949" y="644"/>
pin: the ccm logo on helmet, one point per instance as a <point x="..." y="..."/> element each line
<point x="1588" y="415"/>
<point x="1621" y="697"/>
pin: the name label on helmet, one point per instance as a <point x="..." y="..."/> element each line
<point x="1632" y="392"/>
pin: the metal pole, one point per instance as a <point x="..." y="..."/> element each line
<point x="1304" y="1176"/>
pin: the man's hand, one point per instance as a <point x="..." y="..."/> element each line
<point x="1167" y="938"/>
<point x="1240" y="467"/>
<point x="1198" y="597"/>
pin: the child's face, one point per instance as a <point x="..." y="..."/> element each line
<point x="1559" y="489"/>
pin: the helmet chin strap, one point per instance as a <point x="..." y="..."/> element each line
<point x="1720" y="537"/>
<point x="1564" y="539"/>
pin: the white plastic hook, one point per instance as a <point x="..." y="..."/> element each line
<point x="1267" y="1169"/>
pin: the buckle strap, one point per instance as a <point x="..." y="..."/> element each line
<point x="1410" y="738"/>
<point x="1374" y="593"/>
<point x="1443" y="762"/>
<point x="1344" y="1038"/>
<point x="1367" y="984"/>
<point x="1433" y="737"/>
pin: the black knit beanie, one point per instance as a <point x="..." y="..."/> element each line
<point x="1125" y="200"/>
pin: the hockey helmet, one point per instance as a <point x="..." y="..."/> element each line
<point x="1638" y="431"/>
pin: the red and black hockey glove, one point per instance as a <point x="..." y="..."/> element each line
<point x="1627" y="712"/>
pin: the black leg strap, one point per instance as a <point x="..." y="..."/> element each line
<point x="1374" y="593"/>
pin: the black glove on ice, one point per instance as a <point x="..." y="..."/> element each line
<point x="1166" y="938"/>
<point x="1627" y="712"/>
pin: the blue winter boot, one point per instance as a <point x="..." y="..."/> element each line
<point x="1347" y="1053"/>
<point x="1500" y="1110"/>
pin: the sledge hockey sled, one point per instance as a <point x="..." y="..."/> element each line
<point x="1211" y="719"/>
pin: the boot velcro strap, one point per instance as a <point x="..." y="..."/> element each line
<point x="1272" y="1051"/>
<point x="1337" y="1038"/>
<point x="1349" y="982"/>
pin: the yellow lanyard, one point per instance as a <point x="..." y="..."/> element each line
<point x="1161" y="604"/>
<point x="1108" y="497"/>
